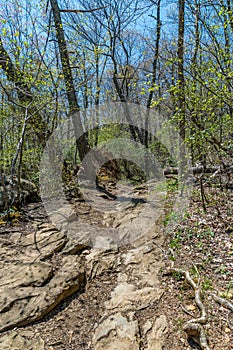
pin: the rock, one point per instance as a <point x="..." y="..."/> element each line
<point x="30" y="287"/>
<point x="147" y="326"/>
<point x="98" y="261"/>
<point x="23" y="275"/>
<point x="127" y="297"/>
<point x="37" y="245"/>
<point x="116" y="332"/>
<point x="190" y="307"/>
<point x="63" y="216"/>
<point x="28" y="186"/>
<point x="155" y="337"/>
<point x="143" y="264"/>
<point x="27" y="191"/>
<point x="43" y="242"/>
<point x="30" y="290"/>
<point x="21" y="340"/>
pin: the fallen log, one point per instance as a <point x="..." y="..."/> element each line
<point x="192" y="170"/>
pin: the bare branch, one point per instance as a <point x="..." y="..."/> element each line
<point x="84" y="11"/>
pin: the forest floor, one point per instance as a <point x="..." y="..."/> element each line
<point x="201" y="244"/>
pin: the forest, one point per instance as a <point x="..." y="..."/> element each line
<point x="113" y="91"/>
<point x="58" y="60"/>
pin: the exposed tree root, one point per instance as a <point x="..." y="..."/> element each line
<point x="226" y="303"/>
<point x="194" y="327"/>
<point x="222" y="301"/>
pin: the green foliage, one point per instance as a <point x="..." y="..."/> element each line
<point x="95" y="60"/>
<point x="207" y="284"/>
<point x="175" y="242"/>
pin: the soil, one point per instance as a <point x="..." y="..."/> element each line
<point x="201" y="243"/>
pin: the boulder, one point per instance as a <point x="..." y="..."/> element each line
<point x="26" y="192"/>
<point x="127" y="297"/>
<point x="35" y="290"/>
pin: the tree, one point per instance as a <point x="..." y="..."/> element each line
<point x="82" y="142"/>
<point x="180" y="77"/>
<point x="25" y="95"/>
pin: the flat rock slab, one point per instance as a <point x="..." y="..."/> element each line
<point x="43" y="242"/>
<point x="30" y="291"/>
<point x="116" y="332"/>
<point x="156" y="333"/>
<point x="138" y="285"/>
<point x="30" y="287"/>
<point x="39" y="244"/>
<point x="21" y="340"/>
<point x="127" y="297"/>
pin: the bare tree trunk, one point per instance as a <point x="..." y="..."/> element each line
<point x="153" y="81"/>
<point x="18" y="154"/>
<point x="154" y="71"/>
<point x="82" y="142"/>
<point x="181" y="81"/>
<point x="194" y="68"/>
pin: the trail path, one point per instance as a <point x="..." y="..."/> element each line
<point x="58" y="292"/>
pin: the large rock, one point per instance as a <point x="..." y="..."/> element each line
<point x="156" y="334"/>
<point x="18" y="191"/>
<point x="143" y="264"/>
<point x="98" y="262"/>
<point x="30" y="290"/>
<point x="45" y="241"/>
<point x="39" y="244"/>
<point x="127" y="297"/>
<point x="138" y="285"/>
<point x="30" y="287"/>
<point x="116" y="332"/>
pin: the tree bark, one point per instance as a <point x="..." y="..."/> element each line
<point x="181" y="81"/>
<point x="82" y="142"/>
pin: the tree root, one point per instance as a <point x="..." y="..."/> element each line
<point x="222" y="301"/>
<point x="194" y="327"/>
<point x="226" y="303"/>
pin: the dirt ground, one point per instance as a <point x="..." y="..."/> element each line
<point x="202" y="244"/>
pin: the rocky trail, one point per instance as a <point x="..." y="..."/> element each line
<point x="80" y="288"/>
<point x="57" y="292"/>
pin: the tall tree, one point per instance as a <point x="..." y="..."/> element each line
<point x="82" y="142"/>
<point x="154" y="69"/>
<point x="180" y="76"/>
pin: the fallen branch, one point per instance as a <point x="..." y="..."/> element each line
<point x="192" y="170"/>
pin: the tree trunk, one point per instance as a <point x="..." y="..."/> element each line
<point x="153" y="81"/>
<point x="181" y="82"/>
<point x="82" y="142"/>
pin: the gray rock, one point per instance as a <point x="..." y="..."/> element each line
<point x="30" y="290"/>
<point x="126" y="297"/>
<point x="116" y="332"/>
<point x="155" y="337"/>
